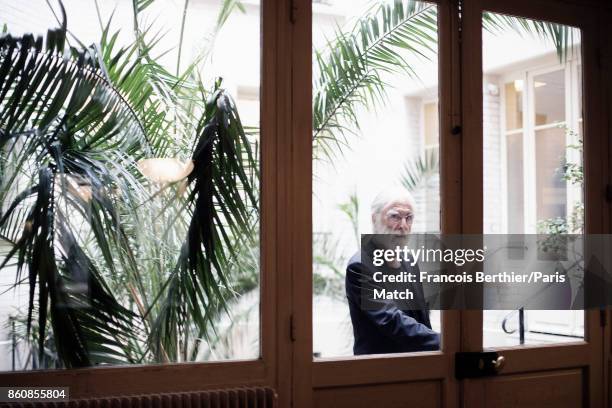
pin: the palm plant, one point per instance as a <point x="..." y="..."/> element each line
<point x="124" y="270"/>
<point x="171" y="105"/>
<point x="65" y="139"/>
<point x="73" y="198"/>
<point x="349" y="71"/>
<point x="418" y="170"/>
<point x="387" y="40"/>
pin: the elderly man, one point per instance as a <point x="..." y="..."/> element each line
<point x="387" y="327"/>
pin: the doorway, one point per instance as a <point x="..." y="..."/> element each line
<point x="476" y="135"/>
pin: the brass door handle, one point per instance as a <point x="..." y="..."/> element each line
<point x="476" y="364"/>
<point x="499" y="363"/>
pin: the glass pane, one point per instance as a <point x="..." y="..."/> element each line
<point x="431" y="124"/>
<point x="514" y="104"/>
<point x="515" y="195"/>
<point x="534" y="164"/>
<point x="376" y="146"/>
<point x="549" y="97"/>
<point x="140" y="242"/>
<point x="551" y="190"/>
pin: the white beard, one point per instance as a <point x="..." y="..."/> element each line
<point x="391" y="239"/>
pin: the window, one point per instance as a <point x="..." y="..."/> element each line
<point x="431" y="132"/>
<point x="532" y="156"/>
<point x="148" y="250"/>
<point x="364" y="145"/>
<point x="400" y="140"/>
<point x="538" y="148"/>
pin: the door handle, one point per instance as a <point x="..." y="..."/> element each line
<point x="499" y="363"/>
<point x="478" y="364"/>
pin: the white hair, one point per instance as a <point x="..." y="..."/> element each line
<point x="389" y="195"/>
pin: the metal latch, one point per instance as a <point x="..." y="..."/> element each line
<point x="478" y="364"/>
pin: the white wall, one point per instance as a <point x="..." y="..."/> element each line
<point x="492" y="157"/>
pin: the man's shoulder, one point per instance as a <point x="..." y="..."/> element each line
<point x="360" y="258"/>
<point x="360" y="264"/>
<point x="357" y="271"/>
<point x="355" y="259"/>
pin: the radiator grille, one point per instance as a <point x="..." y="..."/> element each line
<point x="229" y="398"/>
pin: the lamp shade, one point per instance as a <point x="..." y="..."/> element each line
<point x="165" y="169"/>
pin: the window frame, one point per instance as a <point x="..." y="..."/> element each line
<point x="596" y="148"/>
<point x="275" y="106"/>
<point x="286" y="340"/>
<point x="435" y="147"/>
<point x="377" y="369"/>
<point x="528" y="133"/>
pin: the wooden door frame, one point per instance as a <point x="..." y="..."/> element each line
<point x="583" y="16"/>
<point x="286" y="228"/>
<point x="378" y="369"/>
<point x="606" y="66"/>
<point x="271" y="368"/>
<point x="463" y="218"/>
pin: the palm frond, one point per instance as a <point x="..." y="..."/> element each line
<point x="561" y="36"/>
<point x="154" y="93"/>
<point x="221" y="199"/>
<point x="168" y="103"/>
<point x="388" y="39"/>
<point x="350" y="208"/>
<point x="418" y="170"/>
<point x="61" y="120"/>
<point x="350" y="68"/>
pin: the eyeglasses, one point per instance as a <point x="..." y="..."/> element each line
<point x="397" y="218"/>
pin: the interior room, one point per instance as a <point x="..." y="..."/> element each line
<point x="204" y="203"/>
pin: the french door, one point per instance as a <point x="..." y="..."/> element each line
<point x="539" y="371"/>
<point x="465" y="115"/>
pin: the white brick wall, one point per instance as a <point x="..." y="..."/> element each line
<point x="492" y="158"/>
<point x="428" y="213"/>
<point x="414" y="109"/>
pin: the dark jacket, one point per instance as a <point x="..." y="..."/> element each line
<point x="386" y="328"/>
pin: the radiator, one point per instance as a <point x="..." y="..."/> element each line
<point x="229" y="398"/>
